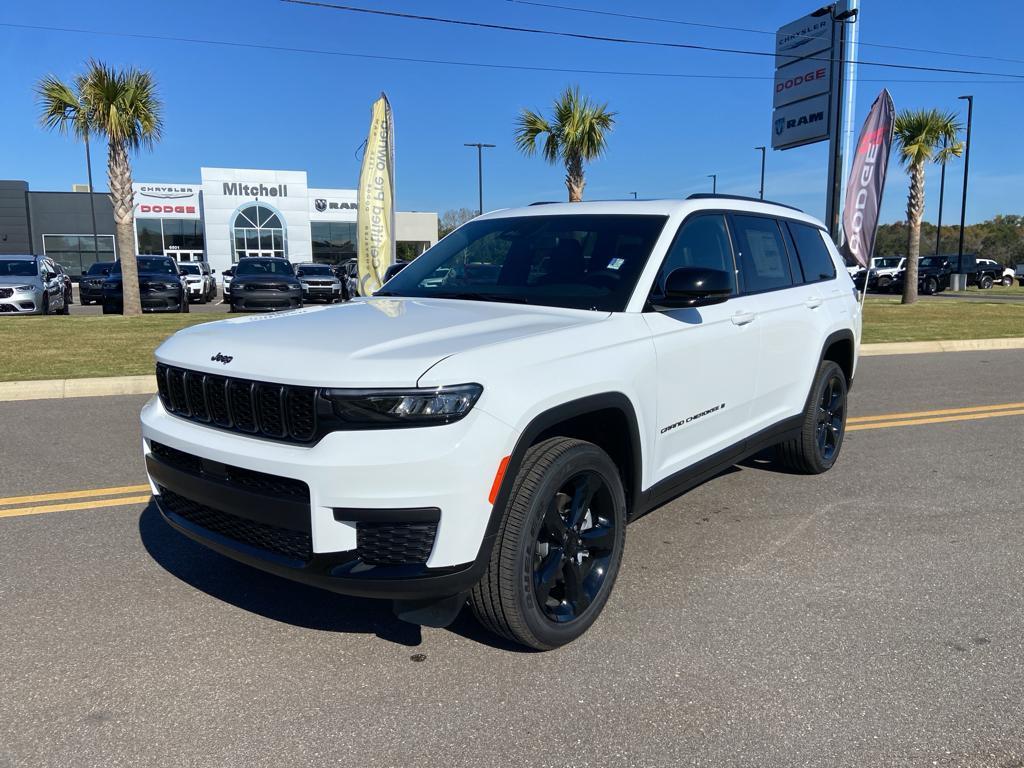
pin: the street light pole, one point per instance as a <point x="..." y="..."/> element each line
<point x="761" y="193"/>
<point x="714" y="183"/>
<point x="633" y="194"/>
<point x="942" y="195"/>
<point x="480" y="170"/>
<point x="967" y="166"/>
<point x="92" y="201"/>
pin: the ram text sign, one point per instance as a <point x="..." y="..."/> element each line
<point x="803" y="122"/>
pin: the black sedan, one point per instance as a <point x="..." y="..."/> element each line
<point x="161" y="288"/>
<point x="265" y="284"/>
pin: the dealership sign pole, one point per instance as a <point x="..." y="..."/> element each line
<point x="375" y="219"/>
<point x="810" y="88"/>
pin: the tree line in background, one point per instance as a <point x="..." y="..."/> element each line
<point x="1000" y="239"/>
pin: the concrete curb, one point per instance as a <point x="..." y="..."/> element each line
<point x="61" y="388"/>
<point x="923" y="347"/>
<point x="146" y="385"/>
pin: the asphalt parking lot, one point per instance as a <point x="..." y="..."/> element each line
<point x="870" y="617"/>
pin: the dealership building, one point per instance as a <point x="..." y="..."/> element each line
<point x="230" y="213"/>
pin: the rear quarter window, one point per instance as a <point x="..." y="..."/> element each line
<point x="815" y="260"/>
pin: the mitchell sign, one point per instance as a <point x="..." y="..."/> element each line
<point x="237" y="189"/>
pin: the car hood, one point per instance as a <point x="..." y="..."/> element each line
<point x="16" y="280"/>
<point x="267" y="278"/>
<point x="366" y="342"/>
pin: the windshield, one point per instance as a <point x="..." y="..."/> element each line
<point x="577" y="261"/>
<point x="98" y="267"/>
<point x="152" y="265"/>
<point x="889" y="263"/>
<point x="316" y="269"/>
<point x="17" y="268"/>
<point x="190" y="269"/>
<point x="264" y="267"/>
<point x="932" y="261"/>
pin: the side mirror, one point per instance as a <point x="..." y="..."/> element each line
<point x="695" y="287"/>
<point x="213" y="271"/>
<point x="106" y="271"/>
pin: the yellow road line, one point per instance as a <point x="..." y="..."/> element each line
<point x="116" y="491"/>
<point x="928" y="414"/>
<point x="98" y="504"/>
<point x="936" y="420"/>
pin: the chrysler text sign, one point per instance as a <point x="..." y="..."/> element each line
<point x="166" y="201"/>
<point x="801" y="81"/>
<point x="803" y="37"/>
<point x="801" y="123"/>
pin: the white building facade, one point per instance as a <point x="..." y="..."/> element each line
<point x="236" y="212"/>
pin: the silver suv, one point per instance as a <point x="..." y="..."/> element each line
<point x="31" y="285"/>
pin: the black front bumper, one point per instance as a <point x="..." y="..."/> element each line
<point x="290" y="521"/>
<point x="266" y="300"/>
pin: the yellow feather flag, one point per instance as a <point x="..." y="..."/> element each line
<point x="375" y="220"/>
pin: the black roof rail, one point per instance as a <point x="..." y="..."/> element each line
<point x="712" y="196"/>
<point x="546" y="202"/>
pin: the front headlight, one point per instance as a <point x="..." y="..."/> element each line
<point x="385" y="408"/>
<point x="28" y="288"/>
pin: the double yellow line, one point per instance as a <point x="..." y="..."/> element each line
<point x="940" y="416"/>
<point x="123" y="495"/>
<point x="96" y="498"/>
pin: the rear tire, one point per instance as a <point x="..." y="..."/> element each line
<point x="931" y="286"/>
<point x="817" y="447"/>
<point x="559" y="548"/>
<point x="985" y="282"/>
<point x="109" y="309"/>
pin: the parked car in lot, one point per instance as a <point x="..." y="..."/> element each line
<point x="161" y="287"/>
<point x="394" y="269"/>
<point x="65" y="278"/>
<point x="933" y="275"/>
<point x="264" y="284"/>
<point x="31" y="285"/>
<point x="488" y="439"/>
<point x="319" y="283"/>
<point x="881" y="273"/>
<point x="199" y="279"/>
<point x="990" y="272"/>
<point x="90" y="286"/>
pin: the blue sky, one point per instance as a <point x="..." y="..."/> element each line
<point x="250" y="108"/>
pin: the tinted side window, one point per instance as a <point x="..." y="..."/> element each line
<point x="703" y="241"/>
<point x="815" y="260"/>
<point x="761" y="256"/>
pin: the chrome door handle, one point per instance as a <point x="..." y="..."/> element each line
<point x="813" y="302"/>
<point x="742" y="318"/>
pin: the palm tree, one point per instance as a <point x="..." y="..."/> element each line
<point x="577" y="135"/>
<point x="920" y="134"/>
<point x="123" y="106"/>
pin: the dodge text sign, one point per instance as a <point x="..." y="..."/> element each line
<point x="801" y="81"/>
<point x="803" y="122"/>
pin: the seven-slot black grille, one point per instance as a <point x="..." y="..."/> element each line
<point x="296" y="545"/>
<point x="395" y="543"/>
<point x="255" y="408"/>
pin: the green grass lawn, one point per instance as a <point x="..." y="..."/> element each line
<point x="78" y="347"/>
<point x="885" y="319"/>
<point x="72" y="347"/>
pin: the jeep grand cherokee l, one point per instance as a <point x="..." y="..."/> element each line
<point x="486" y="437"/>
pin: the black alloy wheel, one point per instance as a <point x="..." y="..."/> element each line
<point x="815" y="449"/>
<point x="831" y="418"/>
<point x="559" y="547"/>
<point x="574" y="547"/>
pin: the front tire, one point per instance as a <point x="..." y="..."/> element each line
<point x="559" y="547"/>
<point x="817" y="447"/>
<point x="1007" y="281"/>
<point x="985" y="283"/>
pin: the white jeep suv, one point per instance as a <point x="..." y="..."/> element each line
<point x="487" y="436"/>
